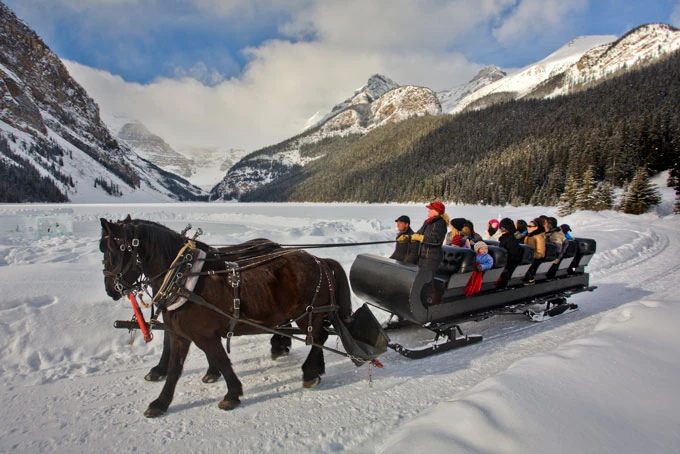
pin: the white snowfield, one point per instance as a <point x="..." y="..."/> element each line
<point x="603" y="379"/>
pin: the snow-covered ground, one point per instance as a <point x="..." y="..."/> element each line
<point x="603" y="379"/>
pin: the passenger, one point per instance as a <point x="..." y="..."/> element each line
<point x="493" y="232"/>
<point x="431" y="237"/>
<point x="469" y="232"/>
<point x="566" y="229"/>
<point x="515" y="253"/>
<point x="553" y="234"/>
<point x="484" y="261"/>
<point x="405" y="251"/>
<point x="455" y="235"/>
<point x="520" y="229"/>
<point x="536" y="240"/>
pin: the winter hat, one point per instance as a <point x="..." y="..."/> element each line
<point x="479" y="245"/>
<point x="403" y="218"/>
<point x="437" y="206"/>
<point x="565" y="228"/>
<point x="494" y="224"/>
<point x="458" y="223"/>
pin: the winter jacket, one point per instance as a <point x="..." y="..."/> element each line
<point x="485" y="261"/>
<point x="536" y="240"/>
<point x="494" y="237"/>
<point x="433" y="231"/>
<point x="555" y="236"/>
<point x="515" y="252"/>
<point x="405" y="251"/>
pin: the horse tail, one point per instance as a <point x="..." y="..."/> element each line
<point x="343" y="294"/>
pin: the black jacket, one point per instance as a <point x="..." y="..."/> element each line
<point x="515" y="252"/>
<point x="406" y="251"/>
<point x="433" y="233"/>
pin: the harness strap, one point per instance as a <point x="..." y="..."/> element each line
<point x="194" y="298"/>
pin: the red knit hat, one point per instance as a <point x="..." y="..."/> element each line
<point x="494" y="223"/>
<point x="437" y="206"/>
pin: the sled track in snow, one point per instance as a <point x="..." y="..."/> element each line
<point x="647" y="245"/>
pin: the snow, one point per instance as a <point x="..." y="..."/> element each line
<point x="601" y="379"/>
<point x="525" y="79"/>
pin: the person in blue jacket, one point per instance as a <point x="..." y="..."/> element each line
<point x="483" y="259"/>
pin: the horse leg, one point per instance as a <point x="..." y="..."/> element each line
<point x="280" y="345"/>
<point x="217" y="355"/>
<point x="314" y="366"/>
<point x="159" y="371"/>
<point x="179" y="348"/>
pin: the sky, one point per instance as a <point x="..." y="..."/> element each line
<point x="602" y="379"/>
<point x="246" y="74"/>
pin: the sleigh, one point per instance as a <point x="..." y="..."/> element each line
<point x="399" y="289"/>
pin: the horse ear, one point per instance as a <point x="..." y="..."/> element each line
<point x="128" y="218"/>
<point x="105" y="224"/>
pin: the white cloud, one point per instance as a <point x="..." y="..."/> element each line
<point x="534" y="17"/>
<point x="675" y="16"/>
<point x="286" y="82"/>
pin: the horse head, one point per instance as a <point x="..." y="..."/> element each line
<point x="122" y="265"/>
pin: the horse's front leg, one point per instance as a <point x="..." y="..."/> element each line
<point x="217" y="355"/>
<point x="179" y="348"/>
<point x="159" y="371"/>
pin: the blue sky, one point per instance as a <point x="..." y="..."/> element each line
<point x="292" y="58"/>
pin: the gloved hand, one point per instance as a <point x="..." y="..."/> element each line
<point x="478" y="267"/>
<point x="403" y="239"/>
<point x="417" y="237"/>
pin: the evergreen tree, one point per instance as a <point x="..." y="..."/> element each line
<point x="603" y="197"/>
<point x="585" y="195"/>
<point x="568" y="199"/>
<point x="641" y="194"/>
<point x="674" y="182"/>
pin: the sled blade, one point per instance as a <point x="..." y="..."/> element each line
<point x="435" y="348"/>
<point x="553" y="312"/>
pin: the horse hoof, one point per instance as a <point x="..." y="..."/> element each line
<point x="210" y="378"/>
<point x="280" y="354"/>
<point x="154" y="376"/>
<point x="311" y="383"/>
<point x="229" y="404"/>
<point x="153" y="412"/>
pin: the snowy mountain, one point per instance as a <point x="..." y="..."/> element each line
<point x="449" y="99"/>
<point x="523" y="81"/>
<point x="380" y="102"/>
<point x="638" y="47"/>
<point x="585" y="61"/>
<point x="55" y="146"/>
<point x="200" y="166"/>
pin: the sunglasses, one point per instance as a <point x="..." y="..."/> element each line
<point x="531" y="225"/>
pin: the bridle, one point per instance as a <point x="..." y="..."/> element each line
<point x="122" y="268"/>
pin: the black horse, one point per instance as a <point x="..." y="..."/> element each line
<point x="276" y="287"/>
<point x="123" y="279"/>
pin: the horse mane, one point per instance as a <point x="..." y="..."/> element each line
<point x="161" y="242"/>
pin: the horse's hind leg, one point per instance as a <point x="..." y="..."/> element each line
<point x="314" y="366"/>
<point x="217" y="356"/>
<point x="280" y="345"/>
<point x="178" y="352"/>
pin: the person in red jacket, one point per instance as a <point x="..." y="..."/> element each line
<point x="431" y="238"/>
